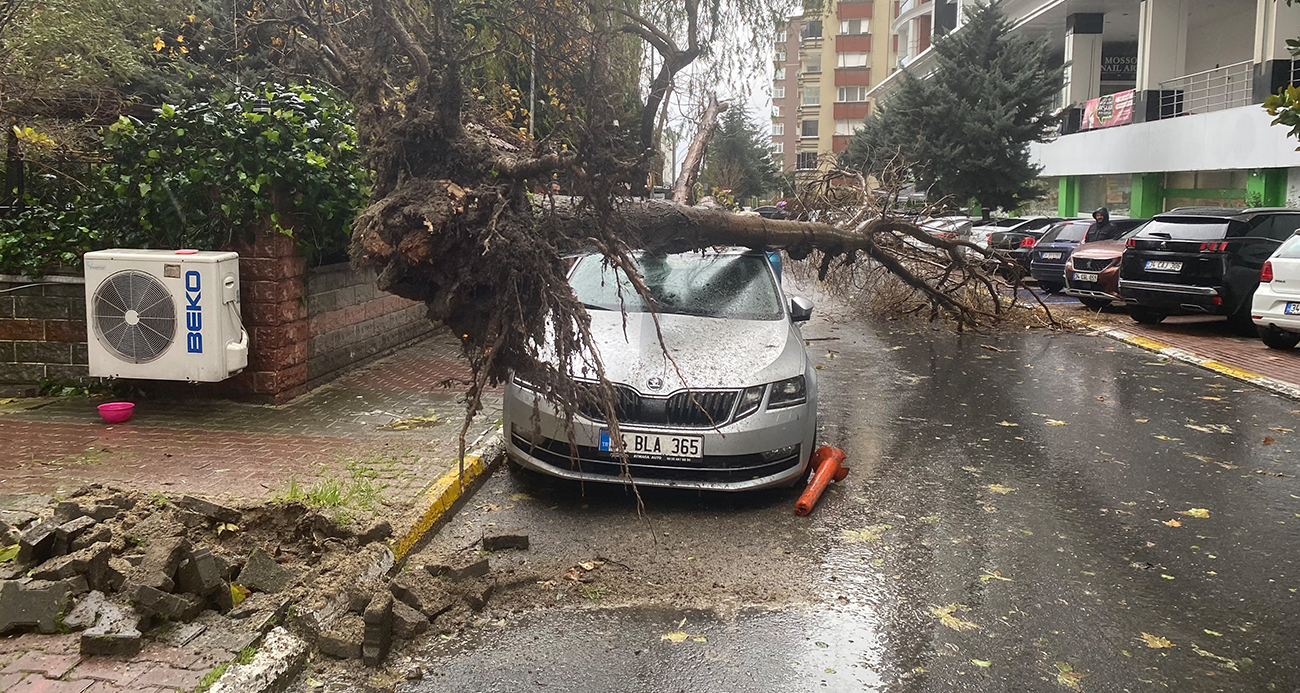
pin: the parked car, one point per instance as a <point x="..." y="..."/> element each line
<point x="981" y="235"/>
<point x="734" y="409"/>
<point x="949" y="228"/>
<point x="1201" y="260"/>
<point x="1047" y="259"/>
<point x="1017" y="243"/>
<point x="770" y="212"/>
<point x="1275" y="309"/>
<point x="1092" y="270"/>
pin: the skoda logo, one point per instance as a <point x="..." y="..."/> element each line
<point x="655" y="384"/>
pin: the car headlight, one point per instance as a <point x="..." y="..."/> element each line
<point x="787" y="393"/>
<point x="750" y="399"/>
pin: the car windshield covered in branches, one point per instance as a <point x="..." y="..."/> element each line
<point x="710" y="285"/>
<point x="712" y="384"/>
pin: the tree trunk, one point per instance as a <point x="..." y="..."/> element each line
<point x="695" y="155"/>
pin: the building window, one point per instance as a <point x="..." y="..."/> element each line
<point x="780" y="74"/>
<point x="808" y="128"/>
<point x="812" y="30"/>
<point x="806" y="161"/>
<point x="778" y="129"/>
<point x="853" y="59"/>
<point x="847" y="127"/>
<point x="851" y="94"/>
<point x="776" y="111"/>
<point x="778" y="92"/>
<point x="780" y="56"/>
<point x="853" y="27"/>
<point x="812" y="62"/>
<point x="812" y="95"/>
<point x="780" y="36"/>
<point x="778" y="147"/>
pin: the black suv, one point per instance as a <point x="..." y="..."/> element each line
<point x="1201" y="260"/>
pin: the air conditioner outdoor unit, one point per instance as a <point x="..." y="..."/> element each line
<point x="164" y="315"/>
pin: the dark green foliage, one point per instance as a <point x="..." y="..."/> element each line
<point x="38" y="239"/>
<point x="740" y="159"/>
<point x="965" y="130"/>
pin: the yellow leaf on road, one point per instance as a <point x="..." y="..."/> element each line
<point x="1155" y="641"/>
<point x="1195" y="512"/>
<point x="981" y="663"/>
<point x="946" y="617"/>
<point x="994" y="575"/>
<point x="999" y="488"/>
<point x="1007" y="423"/>
<point x="1057" y="422"/>
<point x="1068" y="677"/>
<point x="676" y="636"/>
<point x="1166" y="438"/>
<point x="1174" y="523"/>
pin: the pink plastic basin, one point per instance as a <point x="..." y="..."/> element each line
<point x="115" y="412"/>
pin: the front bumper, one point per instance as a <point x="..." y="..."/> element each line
<point x="763" y="450"/>
<point x="1268" y="309"/>
<point x="1105" y="288"/>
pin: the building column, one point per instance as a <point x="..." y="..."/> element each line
<point x="1082" y="58"/>
<point x="1266" y="187"/>
<point x="1162" y="42"/>
<point x="1146" y="195"/>
<point x="1067" y="201"/>
<point x="1275" y="23"/>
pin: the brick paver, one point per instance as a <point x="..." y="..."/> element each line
<point x="110" y="670"/>
<point x="245" y="451"/>
<point x="166" y="676"/>
<point x="51" y="665"/>
<point x="35" y="683"/>
<point x="8" y="681"/>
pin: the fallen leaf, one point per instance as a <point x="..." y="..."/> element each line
<point x="1068" y="677"/>
<point x="1197" y="428"/>
<point x="1269" y="440"/>
<point x="1282" y="430"/>
<point x="1167" y="577"/>
<point x="1166" y="438"/>
<point x="699" y="638"/>
<point x="1213" y="399"/>
<point x="1195" y="512"/>
<point x="520" y="497"/>
<point x="1141" y="420"/>
<point x="1155" y="641"/>
<point x="994" y="575"/>
<point x="999" y="488"/>
<point x="1224" y="662"/>
<point x="1007" y="423"/>
<point x="8" y="554"/>
<point x="864" y="535"/>
<point x="412" y="423"/>
<point x="315" y="683"/>
<point x="238" y="593"/>
<point x="1215" y="633"/>
<point x="821" y="644"/>
<point x="981" y="663"/>
<point x="1057" y="422"/>
<point x="676" y="636"/>
<point x="946" y="617"/>
<point x="1208" y="460"/>
<point x="1174" y="523"/>
<point x="990" y="347"/>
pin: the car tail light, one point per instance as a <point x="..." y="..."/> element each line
<point x="1131" y="243"/>
<point x="1214" y="247"/>
<point x="1028" y="242"/>
<point x="1266" y="275"/>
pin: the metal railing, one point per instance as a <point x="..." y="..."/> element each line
<point x="1295" y="72"/>
<point x="1211" y="90"/>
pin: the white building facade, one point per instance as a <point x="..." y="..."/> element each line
<point x="1161" y="99"/>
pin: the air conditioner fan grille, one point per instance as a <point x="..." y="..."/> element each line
<point x="134" y="316"/>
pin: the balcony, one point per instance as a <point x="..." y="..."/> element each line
<point x="851" y="110"/>
<point x="1219" y="89"/>
<point x="855" y="43"/>
<point x="855" y="9"/>
<point x="852" y="76"/>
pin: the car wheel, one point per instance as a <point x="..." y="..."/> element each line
<point x="1095" y="303"/>
<point x="1051" y="288"/>
<point x="1278" y="339"/>
<point x="1147" y="316"/>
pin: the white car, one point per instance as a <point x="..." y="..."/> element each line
<point x="1275" y="310"/>
<point x="980" y="234"/>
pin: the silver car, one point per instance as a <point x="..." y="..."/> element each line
<point x="737" y="412"/>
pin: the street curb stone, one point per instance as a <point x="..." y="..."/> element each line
<point x="432" y="504"/>
<point x="279" y="661"/>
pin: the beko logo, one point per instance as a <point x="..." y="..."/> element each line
<point x="193" y="314"/>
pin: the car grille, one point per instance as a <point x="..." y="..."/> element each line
<point x="713" y="468"/>
<point x="1083" y="264"/>
<point x="691" y="409"/>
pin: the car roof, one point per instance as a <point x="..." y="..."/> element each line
<point x="1237" y="213"/>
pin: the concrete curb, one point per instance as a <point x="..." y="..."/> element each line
<point x="1281" y="387"/>
<point x="432" y="503"/>
<point x="277" y="663"/>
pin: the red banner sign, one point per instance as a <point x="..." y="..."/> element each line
<point x="1108" y="111"/>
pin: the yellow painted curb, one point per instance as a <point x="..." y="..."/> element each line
<point x="438" y="497"/>
<point x="1231" y="371"/>
<point x="1146" y="343"/>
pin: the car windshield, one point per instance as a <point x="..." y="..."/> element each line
<point x="1066" y="233"/>
<point x="1008" y="223"/>
<point x="1135" y="231"/>
<point x="707" y="285"/>
<point x="1189" y="229"/>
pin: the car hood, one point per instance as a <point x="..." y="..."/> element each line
<point x="708" y="352"/>
<point x="1100" y="250"/>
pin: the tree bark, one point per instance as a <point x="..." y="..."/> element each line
<point x="695" y="155"/>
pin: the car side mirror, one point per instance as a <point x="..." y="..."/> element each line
<point x="800" y="309"/>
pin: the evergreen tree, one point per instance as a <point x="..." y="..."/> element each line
<point x="965" y="130"/>
<point x="740" y="158"/>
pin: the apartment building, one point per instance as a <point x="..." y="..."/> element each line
<point x="1161" y="98"/>
<point x="826" y="63"/>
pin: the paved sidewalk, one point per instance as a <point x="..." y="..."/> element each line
<point x="362" y="424"/>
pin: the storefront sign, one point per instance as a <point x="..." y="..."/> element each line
<point x="1108" y="111"/>
<point x="1119" y="62"/>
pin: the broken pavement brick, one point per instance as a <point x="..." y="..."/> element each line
<point x="198" y="574"/>
<point x="102" y="513"/>
<point x="26" y="606"/>
<point x="421" y="592"/>
<point x="173" y="607"/>
<point x="68" y="531"/>
<point x="161" y="559"/>
<point x="379" y="629"/>
<point x="92" y="536"/>
<point x="459" y="573"/>
<point x="91" y="562"/>
<point x="36" y="543"/>
<point x="499" y="540"/>
<point x="116" y="633"/>
<point x="263" y="574"/>
<point x="86" y="611"/>
<point x="67" y="511"/>
<point x="343" y="640"/>
<point x="408" y="622"/>
<point x="210" y="510"/>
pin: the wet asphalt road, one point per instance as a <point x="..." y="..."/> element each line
<point x="1021" y="510"/>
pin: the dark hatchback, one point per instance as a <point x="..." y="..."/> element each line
<point x="1201" y="260"/>
<point x="1016" y="243"/>
<point x="1047" y="259"/>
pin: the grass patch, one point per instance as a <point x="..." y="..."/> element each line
<point x="245" y="656"/>
<point x="358" y="490"/>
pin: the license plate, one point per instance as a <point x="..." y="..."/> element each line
<point x="656" y="445"/>
<point x="1085" y="277"/>
<point x="1293" y="309"/>
<point x="1051" y="256"/>
<point x="1164" y="266"/>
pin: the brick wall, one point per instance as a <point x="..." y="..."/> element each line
<point x="42" y="332"/>
<point x="351" y="322"/>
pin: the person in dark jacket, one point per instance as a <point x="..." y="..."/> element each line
<point x="1102" y="229"/>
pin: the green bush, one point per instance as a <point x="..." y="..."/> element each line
<point x="35" y="240"/>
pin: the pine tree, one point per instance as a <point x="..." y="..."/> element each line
<point x="740" y="159"/>
<point x="965" y="130"/>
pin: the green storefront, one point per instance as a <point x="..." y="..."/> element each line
<point x="1142" y="195"/>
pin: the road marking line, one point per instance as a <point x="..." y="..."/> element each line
<point x="438" y="497"/>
